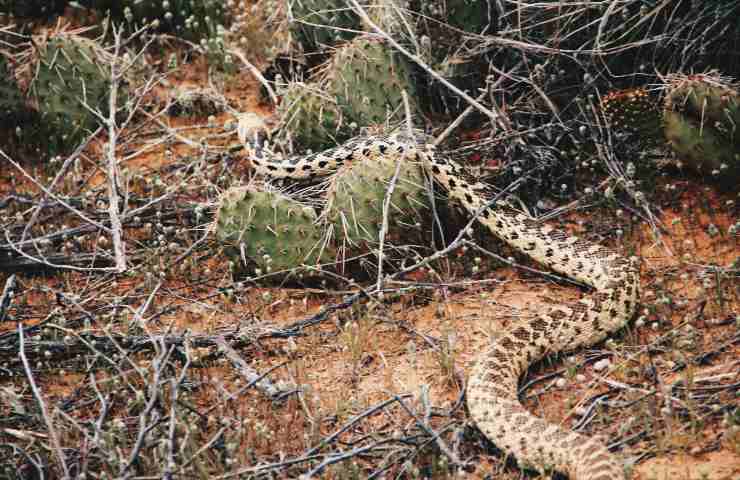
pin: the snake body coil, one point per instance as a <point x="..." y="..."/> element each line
<point x="492" y="388"/>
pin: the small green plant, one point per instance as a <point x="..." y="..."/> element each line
<point x="446" y="349"/>
<point x="356" y="336"/>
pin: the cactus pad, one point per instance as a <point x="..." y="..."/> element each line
<point x="70" y="78"/>
<point x="367" y="78"/>
<point x="632" y="111"/>
<point x="361" y="85"/>
<point x="320" y="23"/>
<point x="708" y="99"/>
<point x="355" y="205"/>
<point x="314" y="119"/>
<point x="268" y="230"/>
<point x="702" y="123"/>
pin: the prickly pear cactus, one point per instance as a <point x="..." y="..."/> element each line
<point x="21" y="133"/>
<point x="316" y="24"/>
<point x="367" y="78"/>
<point x="267" y="231"/>
<point x="633" y="111"/>
<point x="702" y="123"/>
<point x="314" y="119"/>
<point x="354" y="212"/>
<point x="361" y="85"/>
<point x="70" y="78"/>
<point x="707" y="97"/>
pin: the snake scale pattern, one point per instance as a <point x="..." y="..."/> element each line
<point x="492" y="387"/>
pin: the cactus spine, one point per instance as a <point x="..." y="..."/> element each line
<point x="272" y="232"/>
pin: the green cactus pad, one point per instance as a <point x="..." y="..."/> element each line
<point x="71" y="77"/>
<point x="355" y="205"/>
<point x="361" y="85"/>
<point x="268" y="231"/>
<point x="702" y="124"/>
<point x="367" y="78"/>
<point x="314" y="119"/>
<point x="700" y="147"/>
<point x="707" y="99"/>
<point x="317" y="24"/>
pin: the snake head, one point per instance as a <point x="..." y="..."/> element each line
<point x="253" y="132"/>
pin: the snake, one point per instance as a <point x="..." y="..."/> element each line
<point x="492" y="387"/>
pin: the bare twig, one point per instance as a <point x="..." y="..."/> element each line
<point x="389" y="196"/>
<point x="257" y="74"/>
<point x="60" y="174"/>
<point x="352" y="421"/>
<point x="149" y="418"/>
<point x="424" y="425"/>
<point x="119" y="248"/>
<point x="456" y="123"/>
<point x="48" y="263"/>
<point x="51" y="194"/>
<point x="460" y="239"/>
<point x="42" y="406"/>
<point x="249" y="374"/>
<point x="7" y="297"/>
